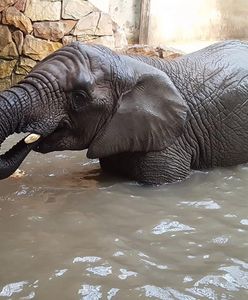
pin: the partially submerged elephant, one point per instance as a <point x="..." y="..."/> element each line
<point x="148" y="119"/>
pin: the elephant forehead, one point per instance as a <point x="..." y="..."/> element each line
<point x="77" y="66"/>
<point x="69" y="72"/>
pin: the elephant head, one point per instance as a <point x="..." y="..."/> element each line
<point x="84" y="96"/>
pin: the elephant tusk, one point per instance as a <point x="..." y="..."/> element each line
<point x="33" y="137"/>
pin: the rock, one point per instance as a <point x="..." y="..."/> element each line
<point x="165" y="52"/>
<point x="141" y="50"/>
<point x="43" y="10"/>
<point x="107" y="41"/>
<point x="76" y="9"/>
<point x="105" y="25"/>
<point x="87" y="25"/>
<point x="38" y="49"/>
<point x="119" y="36"/>
<point x="53" y="31"/>
<point x="25" y="66"/>
<point x="68" y="39"/>
<point x="95" y="23"/>
<point x="69" y="25"/>
<point x="15" y="78"/>
<point x="12" y="16"/>
<point x="6" y="67"/>
<point x="169" y="52"/>
<point x="20" y="5"/>
<point x="5" y="83"/>
<point x="18" y="39"/>
<point x="6" y="3"/>
<point x="7" y="46"/>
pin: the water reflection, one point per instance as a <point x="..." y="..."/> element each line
<point x="12" y="288"/>
<point x="167" y="226"/>
<point x="69" y="232"/>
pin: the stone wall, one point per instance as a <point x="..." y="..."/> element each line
<point x="126" y="13"/>
<point x="31" y="29"/>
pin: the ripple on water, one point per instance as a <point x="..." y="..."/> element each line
<point x="168" y="226"/>
<point x="12" y="288"/>
<point x="220" y="240"/>
<point x="59" y="273"/>
<point x="244" y="222"/>
<point x="161" y="267"/>
<point x="90" y="292"/>
<point x="84" y="259"/>
<point x="207" y="204"/>
<point x="100" y="270"/>
<point x="155" y="292"/>
<point x="233" y="280"/>
<point x="112" y="293"/>
<point x="125" y="274"/>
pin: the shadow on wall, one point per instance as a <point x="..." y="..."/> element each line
<point x="233" y="22"/>
<point x="181" y="21"/>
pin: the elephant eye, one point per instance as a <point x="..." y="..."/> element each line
<point x="79" y="100"/>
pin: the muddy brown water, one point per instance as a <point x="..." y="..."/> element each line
<point x="68" y="232"/>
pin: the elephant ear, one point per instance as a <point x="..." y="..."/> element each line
<point x="150" y="116"/>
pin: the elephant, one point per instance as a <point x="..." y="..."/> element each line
<point x="146" y="119"/>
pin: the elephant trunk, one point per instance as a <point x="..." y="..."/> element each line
<point x="13" y="111"/>
<point x="8" y="114"/>
<point x="12" y="159"/>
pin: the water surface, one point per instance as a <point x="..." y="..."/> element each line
<point x="69" y="232"/>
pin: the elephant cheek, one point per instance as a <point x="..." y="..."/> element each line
<point x="48" y="145"/>
<point x="43" y="148"/>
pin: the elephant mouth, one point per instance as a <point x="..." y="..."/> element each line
<point x="48" y="143"/>
<point x="12" y="158"/>
<point x="62" y="138"/>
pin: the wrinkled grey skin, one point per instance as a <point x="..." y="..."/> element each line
<point x="149" y="120"/>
